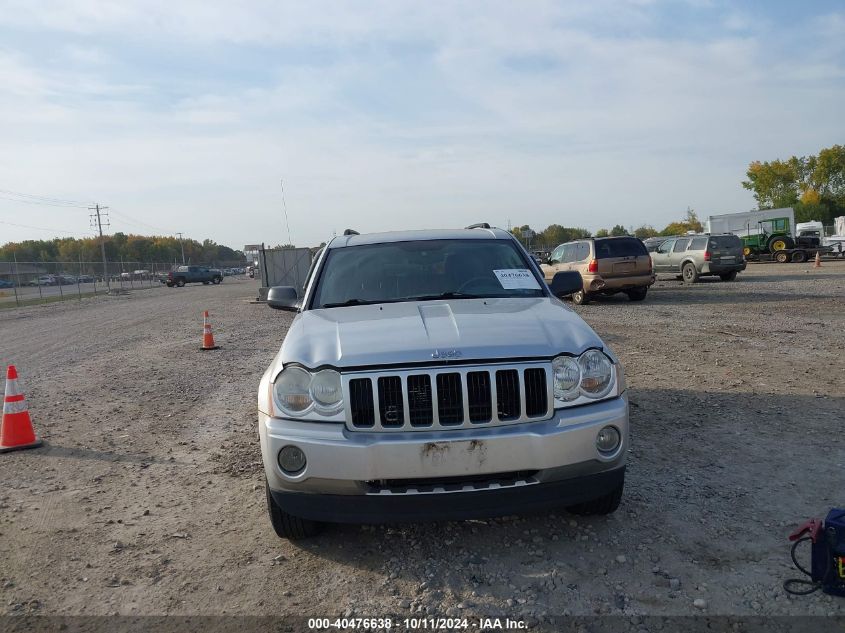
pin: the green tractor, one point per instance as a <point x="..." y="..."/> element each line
<point x="774" y="235"/>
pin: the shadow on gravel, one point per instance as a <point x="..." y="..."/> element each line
<point x="105" y="456"/>
<point x="716" y="478"/>
<point x="698" y="295"/>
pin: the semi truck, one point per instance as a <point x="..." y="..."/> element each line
<point x="769" y="232"/>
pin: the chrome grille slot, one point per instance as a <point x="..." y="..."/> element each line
<point x="507" y="394"/>
<point x="361" y="402"/>
<point x="536" y="401"/>
<point x="450" y="401"/>
<point x="419" y="400"/>
<point x="448" y="397"/>
<point x="479" y="396"/>
<point x="390" y="406"/>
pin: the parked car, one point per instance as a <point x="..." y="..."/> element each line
<point x="692" y="256"/>
<point x="86" y="279"/>
<point x="44" y="280"/>
<point x="651" y="243"/>
<point x="608" y="265"/>
<point x="182" y="275"/>
<point x="6" y="284"/>
<point x="434" y="375"/>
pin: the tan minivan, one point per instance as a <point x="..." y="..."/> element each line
<point x="607" y="265"/>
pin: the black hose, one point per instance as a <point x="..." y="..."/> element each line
<point x="813" y="586"/>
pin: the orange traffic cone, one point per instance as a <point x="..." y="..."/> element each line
<point x="818" y="262"/>
<point x="207" y="336"/>
<point x="16" y="431"/>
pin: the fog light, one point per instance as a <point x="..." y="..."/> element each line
<point x="291" y="459"/>
<point x="608" y="439"/>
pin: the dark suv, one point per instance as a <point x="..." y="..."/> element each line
<point x="182" y="275"/>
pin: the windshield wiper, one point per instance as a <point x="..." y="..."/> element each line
<point x="349" y="302"/>
<point x="446" y="295"/>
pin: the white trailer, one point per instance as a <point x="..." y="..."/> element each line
<point x="748" y="223"/>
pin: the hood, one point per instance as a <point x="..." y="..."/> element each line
<point x="424" y="332"/>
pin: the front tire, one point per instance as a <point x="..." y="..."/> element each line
<point x="180" y="283"/>
<point x="606" y="504"/>
<point x="728" y="276"/>
<point x="689" y="273"/>
<point x="637" y="294"/>
<point x="286" y="525"/>
<point x="580" y="298"/>
<point x="217" y="280"/>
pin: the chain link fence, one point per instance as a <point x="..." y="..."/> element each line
<point x="30" y="283"/>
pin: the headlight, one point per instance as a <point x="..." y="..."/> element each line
<point x="297" y="391"/>
<point x="567" y="376"/>
<point x="326" y="391"/>
<point x="292" y="391"/>
<point x="596" y="374"/>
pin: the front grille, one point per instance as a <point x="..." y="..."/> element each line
<point x="447" y="398"/>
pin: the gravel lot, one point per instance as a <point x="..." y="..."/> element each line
<point x="148" y="497"/>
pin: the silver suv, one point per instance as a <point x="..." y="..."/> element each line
<point x="692" y="256"/>
<point x="434" y="375"/>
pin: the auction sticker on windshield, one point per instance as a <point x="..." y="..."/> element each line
<point x="517" y="278"/>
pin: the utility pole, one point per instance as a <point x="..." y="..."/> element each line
<point x="183" y="247"/>
<point x="98" y="213"/>
<point x="285" y="207"/>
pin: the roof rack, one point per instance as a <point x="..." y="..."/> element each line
<point x="351" y="232"/>
<point x="479" y="225"/>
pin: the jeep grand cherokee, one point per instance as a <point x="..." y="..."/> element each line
<point x="434" y="375"/>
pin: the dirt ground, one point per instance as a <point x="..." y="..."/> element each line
<point x="148" y="497"/>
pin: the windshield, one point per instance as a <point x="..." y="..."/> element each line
<point x="424" y="270"/>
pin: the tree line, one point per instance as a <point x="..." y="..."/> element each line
<point x="814" y="186"/>
<point x="121" y="247"/>
<point x="556" y="234"/>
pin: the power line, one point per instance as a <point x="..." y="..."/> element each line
<point x="44" y="203"/>
<point x="140" y="223"/>
<point x="40" y="228"/>
<point x="43" y="198"/>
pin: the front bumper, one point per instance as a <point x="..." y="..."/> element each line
<point x="347" y="472"/>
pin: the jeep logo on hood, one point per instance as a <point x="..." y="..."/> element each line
<point x="446" y="353"/>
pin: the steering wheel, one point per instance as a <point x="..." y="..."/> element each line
<point x="475" y="280"/>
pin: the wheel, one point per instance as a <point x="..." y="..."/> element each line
<point x="217" y="280"/>
<point x="728" y="276"/>
<point x="286" y="525"/>
<point x="799" y="257"/>
<point x="169" y="284"/>
<point x="580" y="298"/>
<point x="606" y="504"/>
<point x="781" y="257"/>
<point x="746" y="251"/>
<point x="780" y="243"/>
<point x="637" y="294"/>
<point x="689" y="272"/>
<point x="180" y="282"/>
<point x="205" y="283"/>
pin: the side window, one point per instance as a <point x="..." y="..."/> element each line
<point x="583" y="251"/>
<point x="569" y="253"/>
<point x="698" y="244"/>
<point x="556" y="255"/>
<point x="680" y="246"/>
<point x="666" y="246"/>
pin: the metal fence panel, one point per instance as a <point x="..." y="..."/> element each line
<point x="284" y="267"/>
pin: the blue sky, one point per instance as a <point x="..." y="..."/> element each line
<point x="388" y="115"/>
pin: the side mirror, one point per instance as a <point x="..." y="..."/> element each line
<point x="283" y="298"/>
<point x="565" y="283"/>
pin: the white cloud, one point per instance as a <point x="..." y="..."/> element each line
<point x="394" y="115"/>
